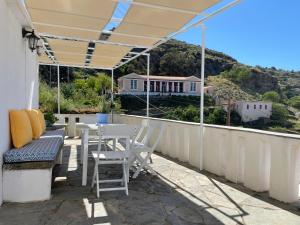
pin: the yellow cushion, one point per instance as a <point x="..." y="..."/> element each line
<point x="20" y="128"/>
<point x="35" y="123"/>
<point x="42" y="120"/>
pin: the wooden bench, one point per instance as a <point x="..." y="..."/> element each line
<point x="27" y="172"/>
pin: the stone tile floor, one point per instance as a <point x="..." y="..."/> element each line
<point x="178" y="195"/>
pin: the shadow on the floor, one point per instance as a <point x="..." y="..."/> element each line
<point x="151" y="199"/>
<point x="263" y="196"/>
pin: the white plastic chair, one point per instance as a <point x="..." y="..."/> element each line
<point x="146" y="147"/>
<point x="113" y="157"/>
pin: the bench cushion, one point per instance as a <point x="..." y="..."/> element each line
<point x="54" y="133"/>
<point x="44" y="149"/>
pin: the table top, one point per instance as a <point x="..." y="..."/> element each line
<point x="94" y="126"/>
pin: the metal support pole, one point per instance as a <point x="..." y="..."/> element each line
<point x="112" y="86"/>
<point x="58" y="89"/>
<point x="112" y="95"/>
<point x="148" y="82"/>
<point x="203" y="29"/>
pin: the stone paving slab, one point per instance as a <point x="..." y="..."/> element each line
<point x="178" y="195"/>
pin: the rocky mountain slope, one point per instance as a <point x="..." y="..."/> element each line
<point x="177" y="58"/>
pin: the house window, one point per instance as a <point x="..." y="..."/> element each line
<point x="133" y="84"/>
<point x="266" y="107"/>
<point x="170" y="86"/>
<point x="247" y="106"/>
<point x="260" y="106"/>
<point x="157" y="83"/>
<point x="145" y="86"/>
<point x="181" y="87"/>
<point x="175" y="86"/>
<point x="254" y="106"/>
<point x="193" y="87"/>
<point x="151" y="86"/>
<point x="163" y="87"/>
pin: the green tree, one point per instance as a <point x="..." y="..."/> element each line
<point x="271" y="96"/>
<point x="238" y="74"/>
<point x="294" y="102"/>
<point x="47" y="98"/>
<point x="217" y="116"/>
<point x="280" y="114"/>
<point x="190" y="114"/>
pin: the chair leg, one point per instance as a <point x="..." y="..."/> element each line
<point x="125" y="177"/>
<point x="139" y="169"/>
<point x="151" y="161"/>
<point x="94" y="177"/>
<point x="97" y="181"/>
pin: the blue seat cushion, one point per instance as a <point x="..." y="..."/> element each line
<point x="44" y="149"/>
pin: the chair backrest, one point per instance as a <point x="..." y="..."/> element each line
<point x="154" y="133"/>
<point x="142" y="133"/>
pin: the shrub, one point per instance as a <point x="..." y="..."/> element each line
<point x="190" y="114"/>
<point x="238" y="74"/>
<point x="294" y="102"/>
<point x="47" y="98"/>
<point x="217" y="116"/>
<point x="271" y="96"/>
<point x="280" y="115"/>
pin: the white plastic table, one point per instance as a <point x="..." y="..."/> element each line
<point x="85" y="129"/>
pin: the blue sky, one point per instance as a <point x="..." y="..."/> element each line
<point x="255" y="32"/>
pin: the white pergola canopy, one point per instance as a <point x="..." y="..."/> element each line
<point x="68" y="27"/>
<point x="73" y="33"/>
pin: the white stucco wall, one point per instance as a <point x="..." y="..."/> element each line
<point x="260" y="160"/>
<point x="252" y="114"/>
<point x="18" y="73"/>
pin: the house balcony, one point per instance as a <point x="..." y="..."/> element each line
<point x="248" y="177"/>
<point x="245" y="171"/>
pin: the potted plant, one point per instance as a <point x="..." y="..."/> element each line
<point x="104" y="110"/>
<point x="50" y="119"/>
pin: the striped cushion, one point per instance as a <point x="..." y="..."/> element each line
<point x="44" y="149"/>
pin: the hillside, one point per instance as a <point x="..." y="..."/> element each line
<point x="177" y="58"/>
<point x="227" y="89"/>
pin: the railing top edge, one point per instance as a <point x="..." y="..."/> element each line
<point x="242" y="129"/>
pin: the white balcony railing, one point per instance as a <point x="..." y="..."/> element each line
<point x="260" y="160"/>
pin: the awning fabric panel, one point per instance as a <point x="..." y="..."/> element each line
<point x="71" y="58"/>
<point x="68" y="52"/>
<point x="44" y="59"/>
<point x="148" y="22"/>
<point x="104" y="62"/>
<point x="154" y="22"/>
<point x="67" y="32"/>
<point x="71" y="18"/>
<point x="189" y="5"/>
<point x="68" y="46"/>
<point x="107" y="56"/>
<point x="154" y="17"/>
<point x="110" y="50"/>
<point x="132" y="40"/>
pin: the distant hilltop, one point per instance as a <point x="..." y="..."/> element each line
<point x="182" y="59"/>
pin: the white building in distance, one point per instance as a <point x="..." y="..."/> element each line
<point x="135" y="84"/>
<point x="251" y="111"/>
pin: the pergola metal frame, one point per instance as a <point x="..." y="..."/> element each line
<point x="199" y="23"/>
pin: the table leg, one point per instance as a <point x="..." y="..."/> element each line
<point x="85" y="156"/>
<point x="128" y="151"/>
<point x="114" y="144"/>
<point x="81" y="147"/>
